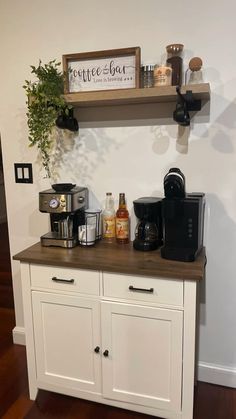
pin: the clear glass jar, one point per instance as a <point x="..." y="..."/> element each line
<point x="174" y="52"/>
<point x="196" y="77"/>
<point x="163" y="75"/>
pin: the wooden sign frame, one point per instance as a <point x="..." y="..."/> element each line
<point x="102" y="70"/>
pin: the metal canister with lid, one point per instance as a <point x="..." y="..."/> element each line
<point x="147" y="75"/>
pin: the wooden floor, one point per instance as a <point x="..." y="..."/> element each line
<point x="211" y="402"/>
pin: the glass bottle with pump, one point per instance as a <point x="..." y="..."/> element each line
<point x="109" y="219"/>
<point x="122" y="221"/>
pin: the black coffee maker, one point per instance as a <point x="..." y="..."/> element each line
<point x="148" y="233"/>
<point x="183" y="219"/>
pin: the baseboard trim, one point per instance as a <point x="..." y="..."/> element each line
<point x="18" y="334"/>
<point x="217" y="374"/>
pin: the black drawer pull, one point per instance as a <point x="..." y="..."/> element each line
<point x="97" y="349"/>
<point x="106" y="353"/>
<point x="67" y="281"/>
<point x="131" y="288"/>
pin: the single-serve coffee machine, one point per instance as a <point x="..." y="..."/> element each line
<point x="183" y="219"/>
<point x="66" y="204"/>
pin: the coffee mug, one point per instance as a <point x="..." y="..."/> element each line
<point x="87" y="234"/>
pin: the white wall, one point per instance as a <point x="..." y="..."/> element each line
<point x="134" y="155"/>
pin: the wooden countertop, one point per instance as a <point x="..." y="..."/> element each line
<point x="115" y="258"/>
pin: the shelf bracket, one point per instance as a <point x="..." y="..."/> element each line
<point x="185" y="103"/>
<point x="192" y="104"/>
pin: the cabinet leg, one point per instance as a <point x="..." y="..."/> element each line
<point x="33" y="392"/>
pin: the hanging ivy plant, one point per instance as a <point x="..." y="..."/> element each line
<point x="47" y="108"/>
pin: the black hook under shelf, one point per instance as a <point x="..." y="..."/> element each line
<point x="191" y="103"/>
<point x="185" y="103"/>
<point x="67" y="121"/>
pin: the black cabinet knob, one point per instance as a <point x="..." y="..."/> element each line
<point x="97" y="349"/>
<point x="106" y="353"/>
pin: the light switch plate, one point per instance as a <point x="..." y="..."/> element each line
<point x="23" y="173"/>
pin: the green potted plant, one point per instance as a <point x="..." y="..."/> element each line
<point x="47" y="108"/>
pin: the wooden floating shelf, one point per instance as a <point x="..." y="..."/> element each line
<point x="136" y="96"/>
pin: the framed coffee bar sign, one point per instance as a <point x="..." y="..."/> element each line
<point x="102" y="70"/>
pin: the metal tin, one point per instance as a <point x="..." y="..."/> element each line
<point x="147" y="75"/>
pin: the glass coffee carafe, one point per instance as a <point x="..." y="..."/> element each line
<point x="148" y="232"/>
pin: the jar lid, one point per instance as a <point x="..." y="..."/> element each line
<point x="174" y="48"/>
<point x="148" y="67"/>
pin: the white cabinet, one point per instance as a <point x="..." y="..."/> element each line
<point x="151" y="290"/>
<point x="67" y="330"/>
<point x="144" y="362"/>
<point x="64" y="279"/>
<point x="123" y="340"/>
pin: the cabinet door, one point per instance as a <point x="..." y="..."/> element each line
<point x="66" y="333"/>
<point x="144" y="360"/>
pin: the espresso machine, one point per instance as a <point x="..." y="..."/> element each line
<point x="66" y="204"/>
<point x="183" y="219"/>
<point x="148" y="232"/>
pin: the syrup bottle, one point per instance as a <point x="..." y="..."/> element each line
<point x="109" y="219"/>
<point x="122" y="221"/>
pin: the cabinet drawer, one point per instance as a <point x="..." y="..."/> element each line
<point x="67" y="279"/>
<point x="156" y="290"/>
